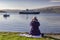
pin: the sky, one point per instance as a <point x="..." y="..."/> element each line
<point x="27" y="4"/>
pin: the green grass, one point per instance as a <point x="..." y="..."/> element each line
<point x="15" y="36"/>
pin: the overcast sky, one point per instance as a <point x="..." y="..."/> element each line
<point x="27" y="4"/>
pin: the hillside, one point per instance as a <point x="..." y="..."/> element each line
<point x="52" y="9"/>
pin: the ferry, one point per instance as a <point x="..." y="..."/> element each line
<point x="29" y="12"/>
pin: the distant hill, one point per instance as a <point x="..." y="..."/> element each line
<point x="52" y="9"/>
<point x="12" y="10"/>
<point x="1" y="11"/>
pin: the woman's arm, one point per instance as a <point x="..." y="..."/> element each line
<point x="38" y="24"/>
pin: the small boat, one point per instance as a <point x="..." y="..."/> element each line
<point x="29" y="12"/>
<point x="6" y="15"/>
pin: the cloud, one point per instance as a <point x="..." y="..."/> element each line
<point x="54" y="0"/>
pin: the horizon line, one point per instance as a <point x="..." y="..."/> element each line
<point x="22" y="9"/>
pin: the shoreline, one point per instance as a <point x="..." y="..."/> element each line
<point x="17" y="35"/>
<point x="27" y="33"/>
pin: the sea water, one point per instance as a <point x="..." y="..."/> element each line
<point x="49" y="22"/>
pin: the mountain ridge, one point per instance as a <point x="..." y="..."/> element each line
<point x="51" y="9"/>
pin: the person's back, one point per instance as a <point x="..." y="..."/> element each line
<point x="35" y="24"/>
<point x="35" y="27"/>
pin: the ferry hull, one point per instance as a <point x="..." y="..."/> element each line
<point x="29" y="12"/>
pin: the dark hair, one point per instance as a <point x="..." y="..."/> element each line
<point x="34" y="19"/>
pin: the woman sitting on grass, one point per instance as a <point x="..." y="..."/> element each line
<point x="35" y="27"/>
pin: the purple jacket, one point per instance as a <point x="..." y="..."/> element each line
<point x="35" y="24"/>
<point x="35" y="28"/>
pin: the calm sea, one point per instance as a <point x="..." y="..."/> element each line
<point x="50" y="22"/>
